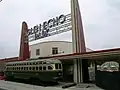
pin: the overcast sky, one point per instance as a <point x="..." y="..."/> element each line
<point x="101" y="21"/>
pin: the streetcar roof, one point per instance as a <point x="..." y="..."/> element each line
<point x="43" y="60"/>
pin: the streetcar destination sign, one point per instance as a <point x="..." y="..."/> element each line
<point x="51" y="27"/>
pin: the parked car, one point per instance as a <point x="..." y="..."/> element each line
<point x="2" y="77"/>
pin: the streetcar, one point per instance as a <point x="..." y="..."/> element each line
<point x="45" y="70"/>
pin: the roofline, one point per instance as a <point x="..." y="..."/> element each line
<point x="84" y="53"/>
<point x="74" y="54"/>
<point x="50" y="41"/>
<point x="9" y="59"/>
<point x="56" y="41"/>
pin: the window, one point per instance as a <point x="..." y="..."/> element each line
<point x="33" y="68"/>
<point x="40" y="68"/>
<point x="55" y="50"/>
<point x="44" y="62"/>
<point x="44" y="67"/>
<point x="56" y="66"/>
<point x="37" y="51"/>
<point x="36" y="68"/>
<point x="21" y="68"/>
<point x="49" y="68"/>
<point x="29" y="68"/>
<point x="40" y="62"/>
<point x="60" y="66"/>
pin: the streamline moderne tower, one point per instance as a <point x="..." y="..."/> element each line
<point x="24" y="44"/>
<point x="80" y="66"/>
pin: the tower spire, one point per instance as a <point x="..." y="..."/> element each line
<point x="24" y="44"/>
<point x="77" y="28"/>
<point x="80" y="65"/>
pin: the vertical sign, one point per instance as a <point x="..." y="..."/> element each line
<point x="24" y="44"/>
<point x="77" y="28"/>
<point x="80" y="66"/>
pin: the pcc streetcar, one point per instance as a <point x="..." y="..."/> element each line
<point x="46" y="70"/>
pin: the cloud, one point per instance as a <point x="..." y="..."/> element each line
<point x="100" y="18"/>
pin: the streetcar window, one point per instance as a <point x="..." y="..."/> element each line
<point x="49" y="68"/>
<point x="44" y="62"/>
<point x="60" y="67"/>
<point x="30" y="68"/>
<point x="40" y="62"/>
<point x="44" y="67"/>
<point x="40" y="68"/>
<point x="34" y="63"/>
<point x="37" y="63"/>
<point x="36" y="68"/>
<point x="56" y="66"/>
<point x="33" y="68"/>
<point x="21" y="68"/>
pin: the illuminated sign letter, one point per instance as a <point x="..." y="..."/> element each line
<point x="55" y="21"/>
<point x="62" y="19"/>
<point x="51" y="27"/>
<point x="36" y="29"/>
<point x="45" y="26"/>
<point x="50" y="23"/>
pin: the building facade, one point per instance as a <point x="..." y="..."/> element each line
<point x="51" y="48"/>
